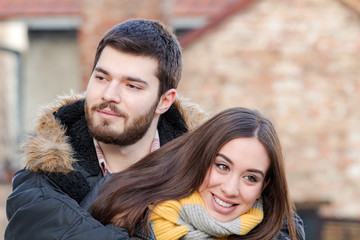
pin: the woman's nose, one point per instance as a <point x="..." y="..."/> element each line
<point x="230" y="187"/>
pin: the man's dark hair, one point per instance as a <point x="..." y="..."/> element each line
<point x="147" y="38"/>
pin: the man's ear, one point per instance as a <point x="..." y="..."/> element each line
<point x="166" y="100"/>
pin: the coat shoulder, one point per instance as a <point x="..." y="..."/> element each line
<point x="193" y="114"/>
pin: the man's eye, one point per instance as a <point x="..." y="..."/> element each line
<point x="133" y="86"/>
<point x="222" y="167"/>
<point x="100" y="78"/>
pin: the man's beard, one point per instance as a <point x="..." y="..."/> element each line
<point x="133" y="131"/>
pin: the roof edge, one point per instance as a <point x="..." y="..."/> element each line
<point x="192" y="36"/>
<point x="353" y="4"/>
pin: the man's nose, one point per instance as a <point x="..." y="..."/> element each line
<point x="112" y="92"/>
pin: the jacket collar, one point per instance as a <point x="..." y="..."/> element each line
<point x="53" y="145"/>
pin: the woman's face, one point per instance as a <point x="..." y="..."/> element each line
<point x="236" y="179"/>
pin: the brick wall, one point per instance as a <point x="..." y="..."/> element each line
<point x="98" y="16"/>
<point x="298" y="62"/>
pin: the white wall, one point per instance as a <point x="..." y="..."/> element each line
<point x="51" y="68"/>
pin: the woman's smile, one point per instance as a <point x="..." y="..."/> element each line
<point x="235" y="180"/>
<point x="223" y="206"/>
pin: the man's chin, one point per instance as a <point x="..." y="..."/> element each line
<point x="117" y="141"/>
<point x="106" y="127"/>
<point x="104" y="133"/>
<point x="106" y="138"/>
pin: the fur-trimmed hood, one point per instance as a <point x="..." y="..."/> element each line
<point x="48" y="148"/>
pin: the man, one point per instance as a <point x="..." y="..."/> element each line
<point x="129" y="110"/>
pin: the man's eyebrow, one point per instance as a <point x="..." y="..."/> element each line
<point x="128" y="78"/>
<point x="249" y="170"/>
<point x="100" y="69"/>
<point x="135" y="79"/>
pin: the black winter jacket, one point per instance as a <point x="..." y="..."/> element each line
<point x="62" y="167"/>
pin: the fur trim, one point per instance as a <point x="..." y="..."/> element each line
<point x="193" y="115"/>
<point x="47" y="148"/>
<point x="61" y="101"/>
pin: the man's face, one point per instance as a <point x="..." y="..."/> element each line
<point x="122" y="97"/>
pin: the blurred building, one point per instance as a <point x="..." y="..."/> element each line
<point x="297" y="61"/>
<point x="13" y="42"/>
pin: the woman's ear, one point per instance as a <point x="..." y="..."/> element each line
<point x="166" y="100"/>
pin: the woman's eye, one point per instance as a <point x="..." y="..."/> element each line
<point x="252" y="179"/>
<point x="223" y="167"/>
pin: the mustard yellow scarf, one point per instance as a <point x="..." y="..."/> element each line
<point x="187" y="219"/>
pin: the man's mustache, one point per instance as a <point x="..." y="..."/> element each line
<point x="112" y="107"/>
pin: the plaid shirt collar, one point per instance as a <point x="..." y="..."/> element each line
<point x="155" y="145"/>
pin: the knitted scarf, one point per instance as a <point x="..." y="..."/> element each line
<point x="187" y="219"/>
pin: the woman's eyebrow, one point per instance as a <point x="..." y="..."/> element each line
<point x="224" y="157"/>
<point x="257" y="171"/>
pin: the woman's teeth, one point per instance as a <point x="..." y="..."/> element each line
<point x="222" y="203"/>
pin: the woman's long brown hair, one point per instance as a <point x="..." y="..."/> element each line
<point x="179" y="167"/>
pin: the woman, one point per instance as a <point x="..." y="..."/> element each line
<point x="229" y="172"/>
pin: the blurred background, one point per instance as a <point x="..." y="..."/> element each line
<point x="295" y="60"/>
